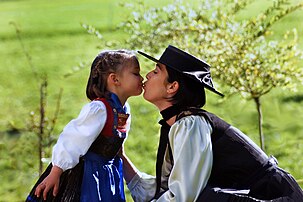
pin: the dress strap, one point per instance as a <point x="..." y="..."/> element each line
<point x="107" y="144"/>
<point x="107" y="129"/>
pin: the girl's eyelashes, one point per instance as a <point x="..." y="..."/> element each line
<point x="136" y="74"/>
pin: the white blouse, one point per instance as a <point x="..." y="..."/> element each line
<point x="78" y="135"/>
<point x="190" y="140"/>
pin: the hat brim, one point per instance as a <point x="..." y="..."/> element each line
<point x="158" y="61"/>
<point x="148" y="56"/>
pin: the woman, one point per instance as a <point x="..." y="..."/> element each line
<point x="201" y="157"/>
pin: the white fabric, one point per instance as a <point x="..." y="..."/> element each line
<point x="190" y="140"/>
<point x="78" y="135"/>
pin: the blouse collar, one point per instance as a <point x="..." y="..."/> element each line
<point x="116" y="103"/>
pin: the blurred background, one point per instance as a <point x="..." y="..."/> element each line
<point x="46" y="48"/>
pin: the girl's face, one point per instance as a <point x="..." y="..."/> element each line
<point x="130" y="78"/>
<point x="155" y="88"/>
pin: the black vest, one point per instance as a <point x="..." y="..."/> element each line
<point x="237" y="160"/>
<point x="238" y="163"/>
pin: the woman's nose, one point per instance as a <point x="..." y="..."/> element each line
<point x="147" y="75"/>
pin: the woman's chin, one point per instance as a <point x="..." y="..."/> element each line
<point x="145" y="97"/>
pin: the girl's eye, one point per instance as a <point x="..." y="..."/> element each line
<point x="155" y="72"/>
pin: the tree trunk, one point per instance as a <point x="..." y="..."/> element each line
<point x="42" y="122"/>
<point x="260" y="120"/>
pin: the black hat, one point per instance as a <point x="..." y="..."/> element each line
<point x="187" y="64"/>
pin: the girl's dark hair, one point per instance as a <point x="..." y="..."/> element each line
<point x="190" y="93"/>
<point x="109" y="61"/>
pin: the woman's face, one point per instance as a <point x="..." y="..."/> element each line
<point x="155" y="88"/>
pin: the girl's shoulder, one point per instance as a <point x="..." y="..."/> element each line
<point x="94" y="106"/>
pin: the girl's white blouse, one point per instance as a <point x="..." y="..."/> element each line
<point x="78" y="135"/>
<point x="190" y="141"/>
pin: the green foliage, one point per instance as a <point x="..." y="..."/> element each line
<point x="57" y="43"/>
<point x="210" y="30"/>
<point x="252" y="66"/>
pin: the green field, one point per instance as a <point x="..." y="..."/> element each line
<point x="55" y="41"/>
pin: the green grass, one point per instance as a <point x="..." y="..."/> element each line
<point x="56" y="42"/>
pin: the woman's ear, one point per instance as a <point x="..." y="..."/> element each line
<point x="113" y="79"/>
<point x="173" y="87"/>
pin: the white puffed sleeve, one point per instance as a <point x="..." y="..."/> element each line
<point x="78" y="135"/>
<point x="142" y="187"/>
<point x="190" y="140"/>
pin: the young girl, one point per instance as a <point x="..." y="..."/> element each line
<point x="85" y="165"/>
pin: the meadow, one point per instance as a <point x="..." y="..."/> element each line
<point x="53" y="44"/>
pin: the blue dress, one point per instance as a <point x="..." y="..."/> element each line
<point x="98" y="176"/>
<point x="102" y="179"/>
<point x="103" y="174"/>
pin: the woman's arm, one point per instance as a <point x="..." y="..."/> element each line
<point x="129" y="170"/>
<point x="142" y="186"/>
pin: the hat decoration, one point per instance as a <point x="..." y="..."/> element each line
<point x="187" y="64"/>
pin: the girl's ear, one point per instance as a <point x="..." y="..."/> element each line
<point x="113" y="79"/>
<point x="173" y="87"/>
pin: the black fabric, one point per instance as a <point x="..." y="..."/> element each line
<point x="70" y="185"/>
<point x="235" y="158"/>
<point x="215" y="194"/>
<point x="107" y="146"/>
<point x="238" y="163"/>
<point x="160" y="154"/>
<point x="170" y="112"/>
<point x="163" y="143"/>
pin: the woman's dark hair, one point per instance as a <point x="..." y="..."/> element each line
<point x="107" y="62"/>
<point x="190" y="93"/>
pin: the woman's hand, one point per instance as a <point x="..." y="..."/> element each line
<point x="121" y="152"/>
<point x="51" y="181"/>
